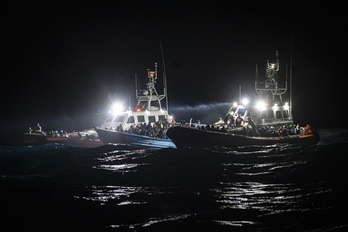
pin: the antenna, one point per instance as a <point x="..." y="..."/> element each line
<point x="136" y="86"/>
<point x="240" y="94"/>
<point x="291" y="76"/>
<point x="130" y="103"/>
<point x="164" y="78"/>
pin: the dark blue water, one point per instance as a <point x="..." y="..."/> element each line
<point x="115" y="188"/>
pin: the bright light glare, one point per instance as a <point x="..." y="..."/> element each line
<point x="116" y="108"/>
<point x="260" y="104"/>
<point x="245" y="101"/>
<point x="235" y="104"/>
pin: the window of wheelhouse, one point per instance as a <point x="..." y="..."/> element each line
<point x="285" y="113"/>
<point x="278" y="114"/>
<point x="130" y="119"/>
<point x="155" y="104"/>
<point x="241" y="111"/>
<point x="263" y="114"/>
<point x="270" y="113"/>
<point x="161" y="118"/>
<point x="152" y="119"/>
<point x="141" y="118"/>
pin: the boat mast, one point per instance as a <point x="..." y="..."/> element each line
<point x="164" y="78"/>
<point x="240" y="94"/>
<point x="271" y="81"/>
<point x="136" y="86"/>
<point x="291" y="76"/>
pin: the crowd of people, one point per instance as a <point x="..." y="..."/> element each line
<point x="156" y="130"/>
<point x="248" y="127"/>
<point x="282" y="130"/>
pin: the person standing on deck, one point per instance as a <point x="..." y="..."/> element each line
<point x="239" y="121"/>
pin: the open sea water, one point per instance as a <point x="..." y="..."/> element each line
<point x="118" y="188"/>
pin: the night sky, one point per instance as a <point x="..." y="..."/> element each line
<point x="60" y="62"/>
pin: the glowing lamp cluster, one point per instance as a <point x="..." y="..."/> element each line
<point x="245" y="102"/>
<point x="116" y="108"/>
<point x="261" y="105"/>
<point x="286" y="106"/>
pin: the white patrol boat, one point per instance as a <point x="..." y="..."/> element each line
<point x="144" y="127"/>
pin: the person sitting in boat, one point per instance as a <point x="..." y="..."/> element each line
<point x="137" y="130"/>
<point x="227" y="118"/>
<point x="155" y="131"/>
<point x="79" y="135"/>
<point x="30" y="130"/>
<point x="148" y="129"/>
<point x="37" y="128"/>
<point x="198" y="124"/>
<point x="308" y="129"/>
<point x="130" y="130"/>
<point x="285" y="131"/>
<point x="142" y="128"/>
<point x="120" y="128"/>
<point x="239" y="121"/>
<point x="298" y="128"/>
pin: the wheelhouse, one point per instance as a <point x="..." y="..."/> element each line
<point x="147" y="110"/>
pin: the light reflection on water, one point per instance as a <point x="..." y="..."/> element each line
<point x="256" y="184"/>
<point x="107" y="193"/>
<point x="259" y="196"/>
<point x="119" y="167"/>
<point x="152" y="221"/>
<point x="234" y="223"/>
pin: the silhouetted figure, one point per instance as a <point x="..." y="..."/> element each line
<point x="239" y="121"/>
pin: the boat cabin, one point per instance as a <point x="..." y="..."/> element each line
<point x="263" y="115"/>
<point x="269" y="111"/>
<point x="127" y="119"/>
<point x="147" y="110"/>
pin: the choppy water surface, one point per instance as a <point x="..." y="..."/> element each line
<point x="275" y="188"/>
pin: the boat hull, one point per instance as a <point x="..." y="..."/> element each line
<point x="191" y="137"/>
<point x="40" y="139"/>
<point x="114" y="137"/>
<point x="33" y="139"/>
